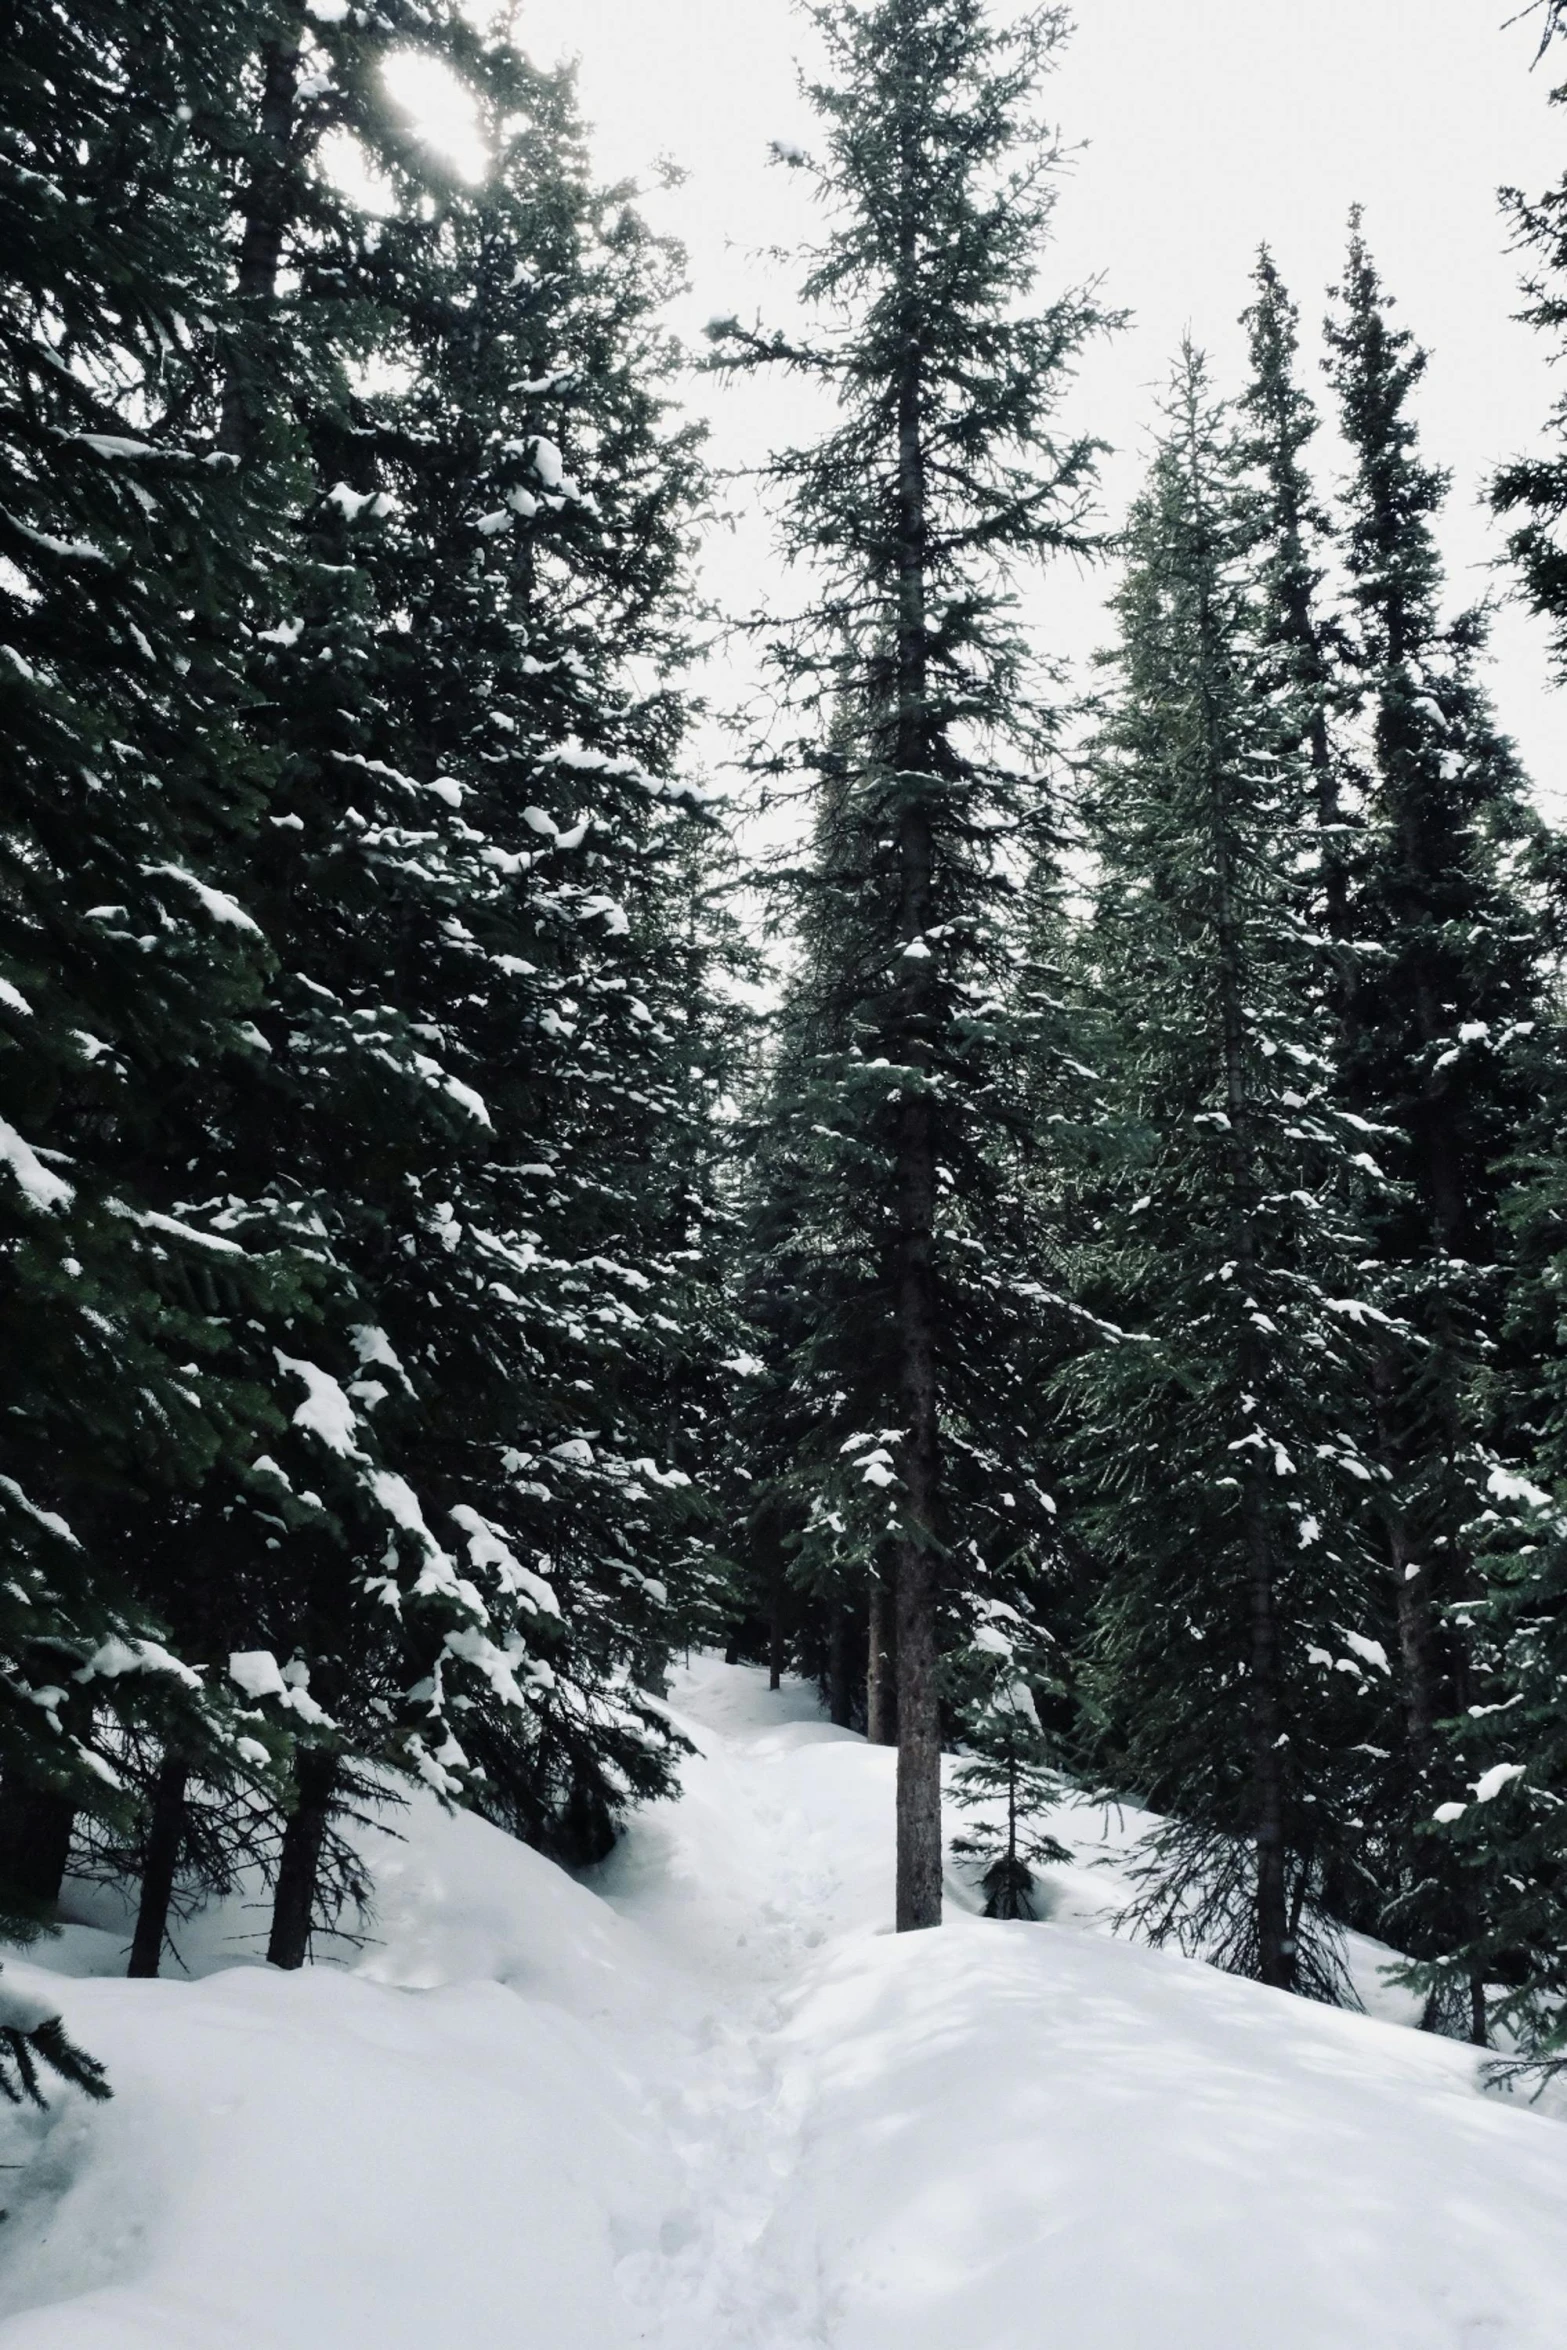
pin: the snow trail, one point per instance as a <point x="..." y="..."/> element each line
<point x="706" y="2101"/>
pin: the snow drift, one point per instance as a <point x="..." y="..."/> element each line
<point x="708" y="2102"/>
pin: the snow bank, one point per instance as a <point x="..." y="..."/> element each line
<point x="705" y="2101"/>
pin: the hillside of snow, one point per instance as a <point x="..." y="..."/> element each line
<point x="709" y="2102"/>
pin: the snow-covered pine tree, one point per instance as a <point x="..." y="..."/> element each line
<point x="304" y="1481"/>
<point x="130" y="971"/>
<point x="552" y="1295"/>
<point x="1220" y="1479"/>
<point x="1501" y="1832"/>
<point x="510" y="1338"/>
<point x="1010" y="1774"/>
<point x="946" y="466"/>
<point x="1435" y="1050"/>
<point x="1498" y="1839"/>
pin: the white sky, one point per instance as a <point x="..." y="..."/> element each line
<point x="1207" y="126"/>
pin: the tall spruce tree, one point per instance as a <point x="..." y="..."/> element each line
<point x="1220" y="1474"/>
<point x="131" y="963"/>
<point x="483" y="1331"/>
<point x="289" y="316"/>
<point x="945" y="468"/>
<point x="1501" y="1834"/>
<point x="1435" y="1051"/>
<point x="532" y="570"/>
<point x="479" y="878"/>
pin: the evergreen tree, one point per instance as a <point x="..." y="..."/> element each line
<point x="1009" y="1763"/>
<point x="944" y="468"/>
<point x="1446" y="991"/>
<point x="406" y="513"/>
<point x="481" y="1005"/>
<point x="1500" y="1837"/>
<point x="1219" y="1469"/>
<point x="534" y="566"/>
<point x="131" y="969"/>
<point x="288" y="315"/>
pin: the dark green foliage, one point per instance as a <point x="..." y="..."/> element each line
<point x="1499" y="1836"/>
<point x="131" y="969"/>
<point x="1221" y="1482"/>
<point x="363" y="1028"/>
<point x="27" y="2047"/>
<point x="1445" y="952"/>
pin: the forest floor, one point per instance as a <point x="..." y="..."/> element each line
<point x="704" y="2100"/>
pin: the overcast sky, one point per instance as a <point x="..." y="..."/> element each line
<point x="1204" y="126"/>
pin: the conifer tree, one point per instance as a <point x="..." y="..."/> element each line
<point x="482" y="1005"/>
<point x="1499" y="1834"/>
<point x="535" y="562"/>
<point x="1009" y="1765"/>
<point x="944" y="467"/>
<point x="1435" y="1052"/>
<point x="1219" y="1469"/>
<point x="131" y="968"/>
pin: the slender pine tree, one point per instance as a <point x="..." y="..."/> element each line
<point x="1501" y="1834"/>
<point x="1434" y="1050"/>
<point x="132" y="965"/>
<point x="1010" y="1774"/>
<point x="944" y="469"/>
<point x="1219" y="1469"/>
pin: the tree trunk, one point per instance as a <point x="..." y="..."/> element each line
<point x="881" y="1703"/>
<point x="919" y="1744"/>
<point x="164" y="1836"/>
<point x="916" y="1018"/>
<point x="839" y="1673"/>
<point x="35" y="1840"/>
<point x="1418" y="1652"/>
<point x="299" y="1863"/>
<point x="775" y="1631"/>
<point x="266" y="206"/>
<point x="1275" y="1942"/>
<point x="1479" y="2023"/>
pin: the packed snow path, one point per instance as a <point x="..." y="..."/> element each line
<point x="708" y="2102"/>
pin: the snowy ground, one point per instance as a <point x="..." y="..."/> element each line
<point x="710" y="2103"/>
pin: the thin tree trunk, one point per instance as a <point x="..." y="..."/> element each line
<point x="880" y="1688"/>
<point x="1417" y="1635"/>
<point x="1479" y="2024"/>
<point x="299" y="1863"/>
<point x="839" y="1676"/>
<point x="35" y="1840"/>
<point x="266" y="207"/>
<point x="919" y="1877"/>
<point x="164" y="1836"/>
<point x="1275" y="1943"/>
